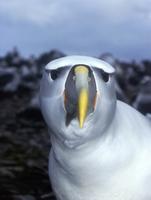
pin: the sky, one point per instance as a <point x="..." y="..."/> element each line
<point x="83" y="27"/>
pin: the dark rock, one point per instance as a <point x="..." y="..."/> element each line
<point x="31" y="114"/>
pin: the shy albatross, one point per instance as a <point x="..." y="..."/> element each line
<point x="101" y="147"/>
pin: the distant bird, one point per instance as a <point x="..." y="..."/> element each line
<point x="143" y="99"/>
<point x="101" y="147"/>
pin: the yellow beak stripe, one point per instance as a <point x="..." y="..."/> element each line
<point x="83" y="106"/>
<point x="81" y="69"/>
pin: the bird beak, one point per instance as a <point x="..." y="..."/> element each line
<point x="82" y="87"/>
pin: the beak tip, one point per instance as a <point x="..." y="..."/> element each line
<point x="81" y="123"/>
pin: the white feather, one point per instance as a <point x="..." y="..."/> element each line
<point x="110" y="157"/>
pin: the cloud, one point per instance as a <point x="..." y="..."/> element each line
<point x="89" y="27"/>
<point x="46" y="11"/>
<point x="34" y="11"/>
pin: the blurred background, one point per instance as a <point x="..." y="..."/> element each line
<point x="32" y="33"/>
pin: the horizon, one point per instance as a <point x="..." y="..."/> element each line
<point x="27" y="56"/>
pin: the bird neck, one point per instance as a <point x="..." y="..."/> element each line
<point x="68" y="158"/>
<point x="116" y="147"/>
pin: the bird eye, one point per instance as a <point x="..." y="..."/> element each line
<point x="54" y="73"/>
<point x="105" y="76"/>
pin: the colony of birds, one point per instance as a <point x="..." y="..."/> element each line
<point x="21" y="120"/>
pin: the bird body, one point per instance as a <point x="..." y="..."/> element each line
<point x="108" y="158"/>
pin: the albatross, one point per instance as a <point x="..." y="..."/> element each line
<point x="101" y="147"/>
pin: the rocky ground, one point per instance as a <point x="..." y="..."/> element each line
<point x="24" y="145"/>
<point x="24" y="141"/>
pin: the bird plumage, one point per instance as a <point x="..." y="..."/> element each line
<point x="107" y="159"/>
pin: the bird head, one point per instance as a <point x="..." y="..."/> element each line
<point x="77" y="98"/>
